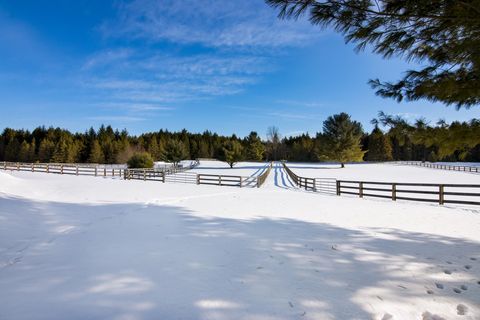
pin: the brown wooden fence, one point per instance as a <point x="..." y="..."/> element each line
<point x="65" y="168"/>
<point x="426" y="192"/>
<point x="441" y="166"/>
<point x="263" y="177"/>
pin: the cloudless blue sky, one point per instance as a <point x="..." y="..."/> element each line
<point x="225" y="66"/>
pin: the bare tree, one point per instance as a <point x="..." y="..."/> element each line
<point x="273" y="137"/>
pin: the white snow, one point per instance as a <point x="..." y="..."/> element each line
<point x="244" y="169"/>
<point x="387" y="172"/>
<point x="101" y="248"/>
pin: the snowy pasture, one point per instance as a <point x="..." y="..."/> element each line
<point x="100" y="248"/>
<point x="244" y="169"/>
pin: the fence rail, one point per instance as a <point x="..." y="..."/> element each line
<point x="427" y="192"/>
<point x="263" y="177"/>
<point x="65" y="168"/>
<point x="441" y="166"/>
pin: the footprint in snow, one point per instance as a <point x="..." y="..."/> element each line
<point x="430" y="291"/>
<point x="439" y="285"/>
<point x="464" y="287"/>
<point x="449" y="262"/>
<point x="468" y="267"/>
<point x="387" y="316"/>
<point x="462" y="310"/>
<point x="290" y="304"/>
<point x="473" y="259"/>
<point x="456" y="290"/>
<point x="428" y="316"/>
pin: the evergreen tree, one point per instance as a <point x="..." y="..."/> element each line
<point x="379" y="147"/>
<point x="140" y="160"/>
<point x="23" y="151"/>
<point x="232" y="152"/>
<point x="342" y="139"/>
<point x="45" y="150"/>
<point x="256" y="149"/>
<point x="175" y="152"/>
<point x="442" y="34"/>
<point x="96" y="153"/>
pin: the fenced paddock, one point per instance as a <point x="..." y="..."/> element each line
<point x="179" y="175"/>
<point x="468" y="194"/>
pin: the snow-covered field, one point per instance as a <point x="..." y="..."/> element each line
<point x="94" y="248"/>
<point x="387" y="172"/>
<point x="244" y="169"/>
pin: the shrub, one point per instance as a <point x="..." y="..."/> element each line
<point x="140" y="160"/>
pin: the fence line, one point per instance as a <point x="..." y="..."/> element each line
<point x="263" y="177"/>
<point x="179" y="175"/>
<point x="440" y="166"/>
<point x="426" y="192"/>
<point x="65" y="168"/>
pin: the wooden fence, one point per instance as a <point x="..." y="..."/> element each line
<point x="426" y="192"/>
<point x="263" y="177"/>
<point x="441" y="166"/>
<point x="65" y="168"/>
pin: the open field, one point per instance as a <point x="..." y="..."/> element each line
<point x="103" y="248"/>
<point x="387" y="172"/>
<point x="244" y="169"/>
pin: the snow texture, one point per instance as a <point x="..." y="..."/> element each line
<point x="101" y="248"/>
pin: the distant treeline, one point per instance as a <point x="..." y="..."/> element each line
<point x="341" y="139"/>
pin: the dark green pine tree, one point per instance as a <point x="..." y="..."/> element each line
<point x="441" y="35"/>
<point x="232" y="152"/>
<point x="379" y="146"/>
<point x="175" y="151"/>
<point x="255" y="147"/>
<point x="341" y="139"/>
<point x="96" y="153"/>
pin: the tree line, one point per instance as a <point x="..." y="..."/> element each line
<point x="341" y="139"/>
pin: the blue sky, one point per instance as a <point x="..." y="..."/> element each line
<point x="225" y="66"/>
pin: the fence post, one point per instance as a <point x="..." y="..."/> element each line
<point x="144" y="174"/>
<point x="394" y="191"/>
<point x="241" y="182"/>
<point x="33" y="167"/>
<point x="441" y="194"/>
<point x="5" y="165"/>
<point x="76" y="171"/>
<point x="198" y="178"/>
<point x="18" y="166"/>
<point x="219" y="180"/>
<point x="360" y="190"/>
<point x="61" y="169"/>
<point x="48" y="168"/>
<point x="95" y="171"/>
<point x="104" y="172"/>
<point x="338" y="187"/>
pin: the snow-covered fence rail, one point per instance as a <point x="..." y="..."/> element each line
<point x="65" y="168"/>
<point x="441" y="166"/>
<point x="426" y="192"/>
